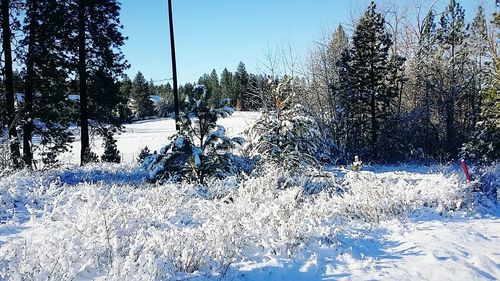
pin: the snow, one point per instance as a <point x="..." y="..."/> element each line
<point x="105" y="222"/>
<point x="154" y="134"/>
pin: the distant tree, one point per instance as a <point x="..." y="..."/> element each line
<point x="241" y="80"/>
<point x="125" y="92"/>
<point x="215" y="86"/>
<point x="141" y="95"/>
<point x="227" y="86"/>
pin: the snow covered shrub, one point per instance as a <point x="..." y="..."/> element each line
<point x="5" y="163"/>
<point x="373" y="197"/>
<point x="490" y="182"/>
<point x="201" y="148"/>
<point x="288" y="135"/>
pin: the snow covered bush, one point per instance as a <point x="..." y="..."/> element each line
<point x="104" y="222"/>
<point x="288" y="135"/>
<point x="490" y="183"/>
<point x="201" y="148"/>
<point x="5" y="163"/>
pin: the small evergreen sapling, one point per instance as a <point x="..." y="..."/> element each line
<point x="111" y="152"/>
<point x="201" y="148"/>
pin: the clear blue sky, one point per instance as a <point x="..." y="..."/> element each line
<point x="220" y="33"/>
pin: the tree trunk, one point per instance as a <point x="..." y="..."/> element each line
<point x="9" y="85"/>
<point x="82" y="73"/>
<point x="373" y="125"/>
<point x="29" y="90"/>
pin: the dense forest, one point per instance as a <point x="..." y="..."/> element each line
<point x="394" y="87"/>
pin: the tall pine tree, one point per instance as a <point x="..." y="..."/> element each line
<point x="46" y="77"/>
<point x="97" y="44"/>
<point x="6" y="9"/>
<point x="369" y="98"/>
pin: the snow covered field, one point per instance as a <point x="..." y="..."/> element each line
<point x="154" y="134"/>
<point x="103" y="222"/>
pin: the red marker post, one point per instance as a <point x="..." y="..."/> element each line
<point x="466" y="171"/>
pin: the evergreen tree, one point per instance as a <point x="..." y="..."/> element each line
<point x="214" y="85"/>
<point x="97" y="44"/>
<point x="6" y="8"/>
<point x="140" y="94"/>
<point x="337" y="45"/>
<point x="200" y="149"/>
<point x="483" y="145"/>
<point x="111" y="153"/>
<point x="241" y="80"/>
<point x="452" y="81"/>
<point x="45" y="85"/>
<point x="286" y="135"/>
<point x="125" y="92"/>
<point x="479" y="49"/>
<point x="370" y="99"/>
<point x="227" y="86"/>
<point x="104" y="100"/>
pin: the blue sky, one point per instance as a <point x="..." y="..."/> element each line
<point x="220" y="33"/>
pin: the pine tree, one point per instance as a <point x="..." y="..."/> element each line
<point x="479" y="49"/>
<point x="370" y="97"/>
<point x="339" y="43"/>
<point x="287" y="135"/>
<point x="97" y="45"/>
<point x="214" y="84"/>
<point x="227" y="86"/>
<point x="201" y="148"/>
<point x="140" y="94"/>
<point x="104" y="100"/>
<point x="6" y="9"/>
<point x="241" y="86"/>
<point x="45" y="84"/>
<point x="451" y="38"/>
<point x="483" y="146"/>
<point x="111" y="153"/>
<point x="124" y="111"/>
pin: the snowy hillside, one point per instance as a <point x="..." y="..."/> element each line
<point x="104" y="222"/>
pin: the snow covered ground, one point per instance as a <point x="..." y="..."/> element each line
<point x="104" y="222"/>
<point x="153" y="133"/>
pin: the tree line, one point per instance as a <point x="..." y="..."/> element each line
<point x="61" y="48"/>
<point x="393" y="89"/>
<point x="425" y="91"/>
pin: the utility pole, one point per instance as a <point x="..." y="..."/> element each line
<point x="174" y="67"/>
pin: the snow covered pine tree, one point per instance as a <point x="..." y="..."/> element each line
<point x="201" y="148"/>
<point x="287" y="135"/>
